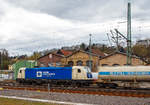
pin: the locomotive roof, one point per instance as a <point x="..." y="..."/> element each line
<point x="51" y="68"/>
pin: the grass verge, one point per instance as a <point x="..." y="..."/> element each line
<point x="9" y="101"/>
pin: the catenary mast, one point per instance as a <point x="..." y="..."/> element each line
<point x="129" y="51"/>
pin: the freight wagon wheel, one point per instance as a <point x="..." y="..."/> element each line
<point x="101" y="85"/>
<point x="111" y="85"/>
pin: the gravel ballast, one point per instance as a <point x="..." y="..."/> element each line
<point x="78" y="98"/>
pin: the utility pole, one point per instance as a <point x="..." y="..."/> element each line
<point x="129" y="52"/>
<point x="90" y="51"/>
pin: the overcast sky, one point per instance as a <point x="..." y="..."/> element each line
<point x="35" y="25"/>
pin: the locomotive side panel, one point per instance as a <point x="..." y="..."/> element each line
<point x="49" y="73"/>
<point x="80" y="73"/>
<point x="21" y="73"/>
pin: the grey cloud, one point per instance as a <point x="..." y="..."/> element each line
<point x="81" y="10"/>
<point x="143" y="4"/>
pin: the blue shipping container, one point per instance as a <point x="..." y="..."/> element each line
<point x="63" y="73"/>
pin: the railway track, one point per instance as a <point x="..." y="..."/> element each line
<point x="86" y="90"/>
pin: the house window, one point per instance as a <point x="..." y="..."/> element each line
<point x="89" y="63"/>
<point x="115" y="65"/>
<point x="50" y="56"/>
<point x="58" y="64"/>
<point x="42" y="65"/>
<point x="70" y="63"/>
<point x="104" y="64"/>
<point x="79" y="63"/>
<point x="50" y="64"/>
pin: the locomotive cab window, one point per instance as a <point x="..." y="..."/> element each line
<point x="20" y="71"/>
<point x="79" y="71"/>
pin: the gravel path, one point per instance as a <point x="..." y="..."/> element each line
<point x="78" y="98"/>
